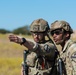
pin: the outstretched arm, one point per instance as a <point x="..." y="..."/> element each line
<point x="22" y="41"/>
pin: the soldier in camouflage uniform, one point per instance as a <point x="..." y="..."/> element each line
<point x="41" y="56"/>
<point x="61" y="33"/>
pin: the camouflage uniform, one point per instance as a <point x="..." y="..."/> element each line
<point x="41" y="59"/>
<point x="68" y="53"/>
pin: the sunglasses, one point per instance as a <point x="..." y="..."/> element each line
<point x="57" y="32"/>
<point x="37" y="33"/>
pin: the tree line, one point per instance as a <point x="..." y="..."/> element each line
<point x="21" y="30"/>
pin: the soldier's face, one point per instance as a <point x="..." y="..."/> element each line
<point x="57" y="36"/>
<point x="38" y="36"/>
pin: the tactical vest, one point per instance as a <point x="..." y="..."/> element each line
<point x="40" y="65"/>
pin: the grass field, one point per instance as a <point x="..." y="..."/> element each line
<point x="11" y="56"/>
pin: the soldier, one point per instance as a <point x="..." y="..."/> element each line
<point x="61" y="33"/>
<point x="41" y="57"/>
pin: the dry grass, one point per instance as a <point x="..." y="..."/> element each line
<point x="10" y="66"/>
<point x="11" y="55"/>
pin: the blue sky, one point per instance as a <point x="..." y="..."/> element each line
<point x="17" y="13"/>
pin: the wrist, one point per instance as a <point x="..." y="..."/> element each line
<point x="23" y="41"/>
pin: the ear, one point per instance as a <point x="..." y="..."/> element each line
<point x="67" y="34"/>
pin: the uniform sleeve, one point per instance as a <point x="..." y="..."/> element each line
<point x="73" y="59"/>
<point x="47" y="50"/>
<point x="72" y="55"/>
<point x="33" y="44"/>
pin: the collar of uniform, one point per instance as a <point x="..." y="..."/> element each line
<point x="66" y="45"/>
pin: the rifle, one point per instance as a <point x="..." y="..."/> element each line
<point x="60" y="66"/>
<point x="25" y="67"/>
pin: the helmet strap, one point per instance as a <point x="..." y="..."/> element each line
<point x="49" y="38"/>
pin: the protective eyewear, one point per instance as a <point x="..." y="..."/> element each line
<point x="57" y="32"/>
<point x="37" y="33"/>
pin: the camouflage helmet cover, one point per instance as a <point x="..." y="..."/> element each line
<point x="39" y="25"/>
<point x="61" y="24"/>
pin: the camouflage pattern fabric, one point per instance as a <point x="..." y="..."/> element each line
<point x="40" y="61"/>
<point x="68" y="55"/>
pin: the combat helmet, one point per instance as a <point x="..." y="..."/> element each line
<point x="39" y="25"/>
<point x="61" y="24"/>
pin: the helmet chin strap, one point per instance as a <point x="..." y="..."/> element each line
<point x="62" y="41"/>
<point x="52" y="42"/>
<point x="44" y="40"/>
<point x="50" y="38"/>
<point x="46" y="35"/>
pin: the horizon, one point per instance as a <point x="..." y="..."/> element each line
<point x="18" y="13"/>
